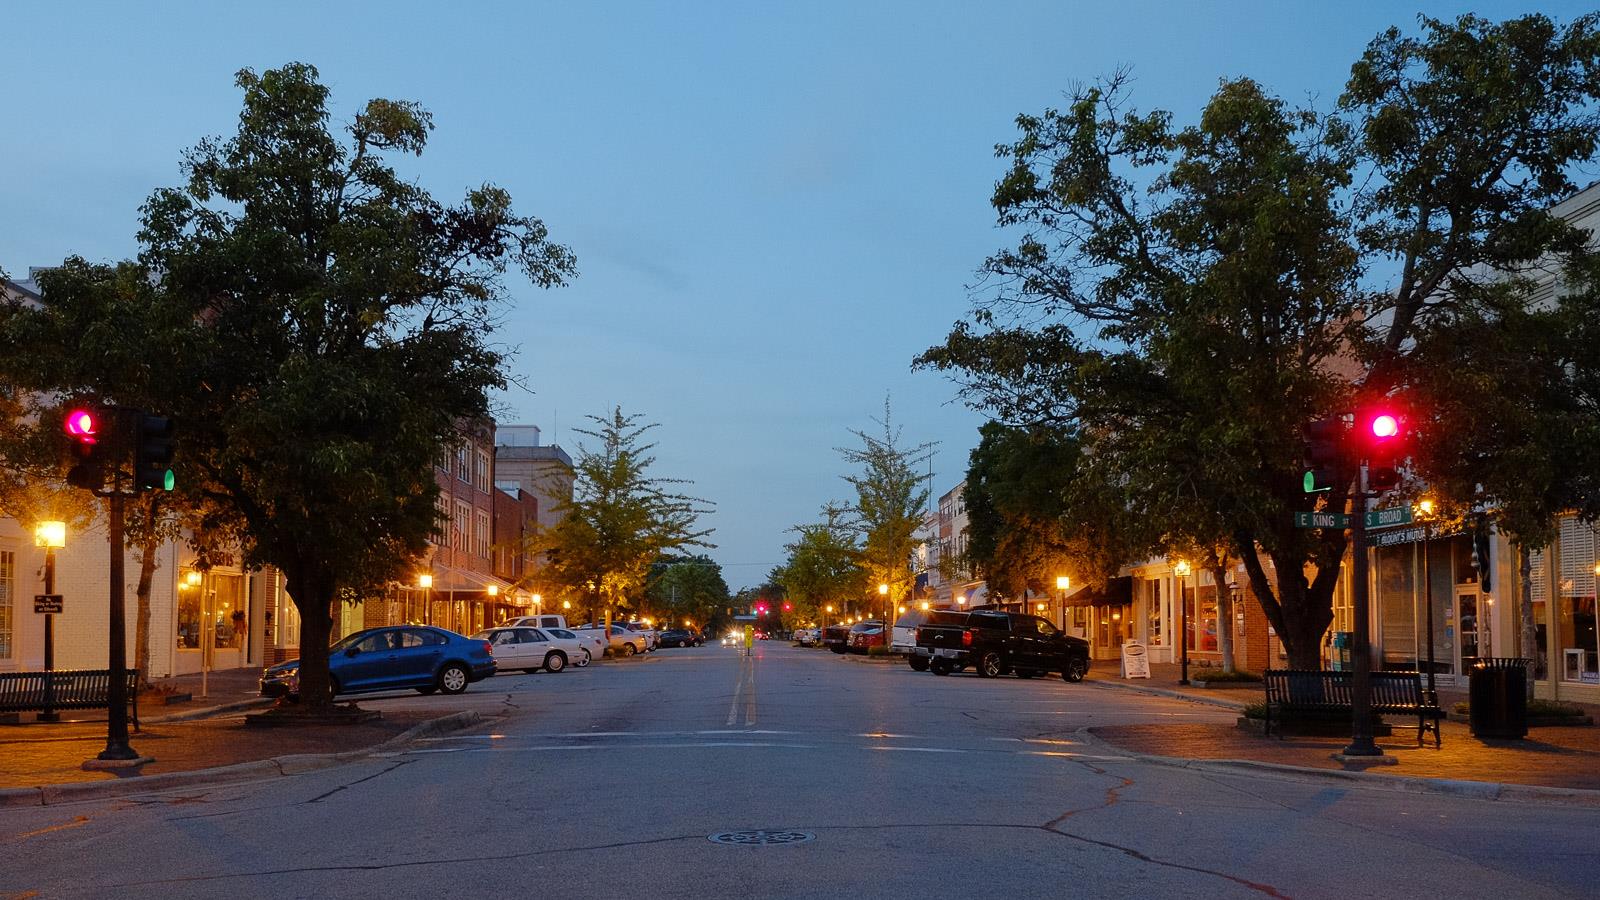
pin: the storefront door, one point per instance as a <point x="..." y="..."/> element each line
<point x="1472" y="623"/>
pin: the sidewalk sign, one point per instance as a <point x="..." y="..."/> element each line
<point x="1135" y="664"/>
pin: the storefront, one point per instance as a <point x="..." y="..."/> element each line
<point x="1563" y="576"/>
<point x="1104" y="616"/>
<point x="212" y="618"/>
<point x="1422" y="582"/>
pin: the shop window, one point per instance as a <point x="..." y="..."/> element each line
<point x="1577" y="640"/>
<point x="227" y="605"/>
<point x="1398" y="573"/>
<point x="1205" y="622"/>
<point x="8" y="593"/>
<point x="480" y="542"/>
<point x="191" y="597"/>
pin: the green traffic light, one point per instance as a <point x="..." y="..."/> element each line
<point x="169" y="480"/>
<point x="1310" y="482"/>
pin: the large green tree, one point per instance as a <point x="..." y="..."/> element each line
<point x="1188" y="298"/>
<point x="319" y="327"/>
<point x="890" y="479"/>
<point x="822" y="566"/>
<point x="621" y="519"/>
<point x="686" y="588"/>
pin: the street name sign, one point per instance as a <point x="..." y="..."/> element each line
<point x="1321" y="520"/>
<point x="1394" y="515"/>
<point x="47" y="603"/>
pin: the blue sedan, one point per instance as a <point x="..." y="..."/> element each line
<point x="419" y="657"/>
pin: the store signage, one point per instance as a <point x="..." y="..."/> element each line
<point x="1394" y="515"/>
<point x="47" y="603"/>
<point x="1135" y="664"/>
<point x="1321" y="520"/>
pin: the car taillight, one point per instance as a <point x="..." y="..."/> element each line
<point x="488" y="648"/>
<point x="916" y="636"/>
<point x="966" y="638"/>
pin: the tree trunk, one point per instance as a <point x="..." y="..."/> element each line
<point x="1530" y="637"/>
<point x="1299" y="612"/>
<point x="141" y="629"/>
<point x="314" y="599"/>
<point x="1219" y="571"/>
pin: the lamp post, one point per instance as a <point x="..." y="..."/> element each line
<point x="425" y="581"/>
<point x="1062" y="583"/>
<point x="1182" y="570"/>
<point x="1425" y="513"/>
<point x="827" y="611"/>
<point x="888" y="611"/>
<point x="52" y="536"/>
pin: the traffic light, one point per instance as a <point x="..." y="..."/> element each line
<point x="152" y="454"/>
<point x="1323" y="454"/>
<point x="82" y="425"/>
<point x="787" y="607"/>
<point x="1382" y="432"/>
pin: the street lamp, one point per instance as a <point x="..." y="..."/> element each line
<point x="925" y="606"/>
<point x="538" y="601"/>
<point x="1182" y="570"/>
<point x="425" y="581"/>
<point x="52" y="536"/>
<point x="566" y="604"/>
<point x="888" y="615"/>
<point x="1425" y="513"/>
<point x="1062" y="583"/>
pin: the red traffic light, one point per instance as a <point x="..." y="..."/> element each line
<point x="1385" y="425"/>
<point x="787" y="607"/>
<point x="81" y="425"/>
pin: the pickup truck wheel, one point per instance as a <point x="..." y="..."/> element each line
<point x="990" y="665"/>
<point x="918" y="663"/>
<point x="1075" y="670"/>
<point x="939" y="667"/>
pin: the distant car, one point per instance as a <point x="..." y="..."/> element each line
<point x="622" y="642"/>
<point x="904" y="637"/>
<point x="805" y="637"/>
<point x="836" y="638"/>
<point x="417" y="657"/>
<point x="532" y="649"/>
<point x="652" y="637"/>
<point x="677" y="637"/>
<point x="865" y="635"/>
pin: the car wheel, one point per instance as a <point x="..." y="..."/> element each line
<point x="333" y="686"/>
<point x="425" y="691"/>
<point x="453" y="679"/>
<point x="939" y="667"/>
<point x="1075" y="670"/>
<point x="629" y="650"/>
<point x="584" y="659"/>
<point x="555" y="662"/>
<point x="1026" y="673"/>
<point x="918" y="663"/>
<point x="990" y="665"/>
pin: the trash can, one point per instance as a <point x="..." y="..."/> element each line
<point x="1498" y="697"/>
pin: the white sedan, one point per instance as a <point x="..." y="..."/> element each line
<point x="531" y="649"/>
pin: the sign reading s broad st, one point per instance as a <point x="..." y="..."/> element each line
<point x="1135" y="664"/>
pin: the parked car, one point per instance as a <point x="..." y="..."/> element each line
<point x="995" y="643"/>
<point x="543" y="620"/>
<point x="903" y="639"/>
<point x="652" y="637"/>
<point x="677" y="637"/>
<point x="805" y="637"/>
<point x="589" y="646"/>
<point x="621" y="641"/>
<point x="532" y="649"/>
<point x="865" y="635"/>
<point x="836" y="638"/>
<point x="418" y="657"/>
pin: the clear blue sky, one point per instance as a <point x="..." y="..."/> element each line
<point x="774" y="206"/>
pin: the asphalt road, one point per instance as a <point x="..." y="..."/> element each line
<point x="876" y="782"/>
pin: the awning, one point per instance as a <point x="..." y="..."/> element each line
<point x="1115" y="592"/>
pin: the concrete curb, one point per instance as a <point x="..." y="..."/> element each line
<point x="209" y="711"/>
<point x="278" y="766"/>
<point x="1223" y="702"/>
<point x="1414" y="784"/>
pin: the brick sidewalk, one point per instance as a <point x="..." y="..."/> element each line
<point x="51" y="754"/>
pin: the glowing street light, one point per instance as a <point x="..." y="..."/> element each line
<point x="424" y="581"/>
<point x="52" y="536"/>
<point x="1181" y="569"/>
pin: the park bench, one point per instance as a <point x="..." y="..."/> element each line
<point x="1292" y="691"/>
<point x="71" y="689"/>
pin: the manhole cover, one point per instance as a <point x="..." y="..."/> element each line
<point x="760" y="838"/>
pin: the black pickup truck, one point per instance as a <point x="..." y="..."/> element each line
<point x="994" y="643"/>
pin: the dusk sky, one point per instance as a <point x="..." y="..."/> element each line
<point x="774" y="207"/>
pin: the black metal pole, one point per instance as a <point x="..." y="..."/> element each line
<point x="1427" y="594"/>
<point x="49" y="713"/>
<point x="117" y="747"/>
<point x="1361" y="742"/>
<point x="1183" y="634"/>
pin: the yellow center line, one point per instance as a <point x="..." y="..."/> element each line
<point x="77" y="821"/>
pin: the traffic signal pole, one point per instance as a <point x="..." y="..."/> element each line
<point x="117" y="747"/>
<point x="1361" y="737"/>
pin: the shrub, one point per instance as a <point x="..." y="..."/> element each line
<point x="1216" y="675"/>
<point x="1256" y="710"/>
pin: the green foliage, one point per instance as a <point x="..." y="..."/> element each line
<point x="688" y="587"/>
<point x="891" y="487"/>
<point x="1036" y="511"/>
<point x="823" y="567"/>
<point x="878" y="651"/>
<point x="318" y="326"/>
<point x="1185" y="299"/>
<point x="621" y="519"/>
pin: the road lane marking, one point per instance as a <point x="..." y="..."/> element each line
<point x="738" y="688"/>
<point x="917" y="749"/>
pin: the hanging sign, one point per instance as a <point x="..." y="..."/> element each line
<point x="1135" y="664"/>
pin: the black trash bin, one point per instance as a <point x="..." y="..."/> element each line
<point x="1498" y="697"/>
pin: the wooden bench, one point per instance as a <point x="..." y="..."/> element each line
<point x="1306" y="690"/>
<point x="66" y="689"/>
